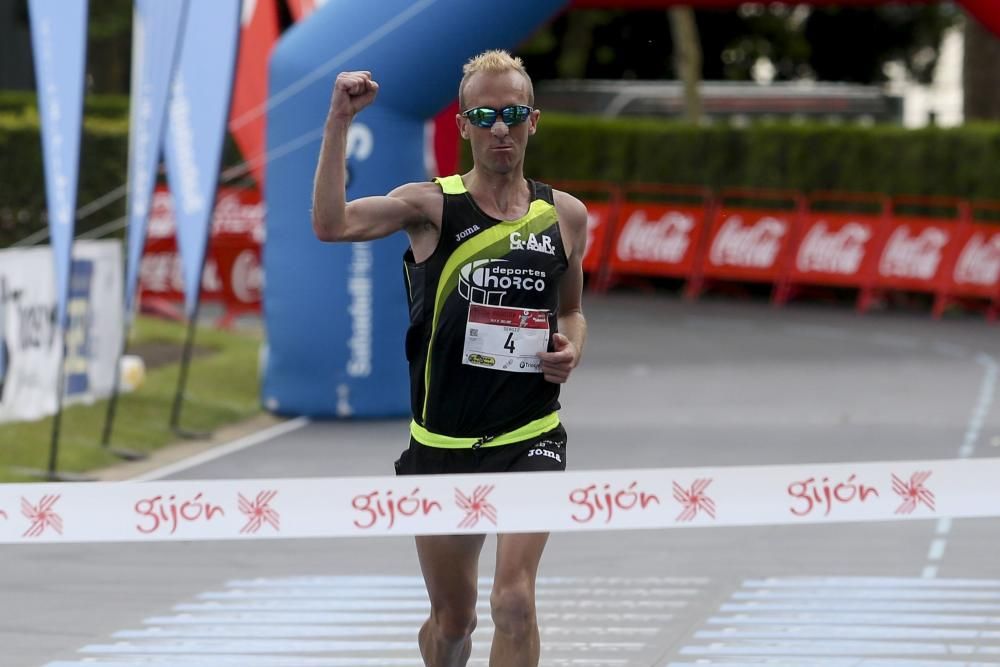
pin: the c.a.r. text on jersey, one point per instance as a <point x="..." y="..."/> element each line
<point x="534" y="242"/>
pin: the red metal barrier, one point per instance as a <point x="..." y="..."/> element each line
<point x="973" y="271"/>
<point x="868" y="243"/>
<point x="916" y="248"/>
<point x="658" y="232"/>
<point x="837" y="248"/>
<point x="645" y="231"/>
<point x="749" y="242"/>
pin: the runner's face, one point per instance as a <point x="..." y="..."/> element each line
<point x="500" y="148"/>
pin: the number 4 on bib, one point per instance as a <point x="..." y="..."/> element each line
<point x="506" y="339"/>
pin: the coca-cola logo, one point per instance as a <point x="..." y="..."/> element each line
<point x="232" y="215"/>
<point x="161" y="218"/>
<point x="665" y="239"/>
<point x="979" y="263"/>
<point x="247" y="277"/>
<point x="916" y="257"/>
<point x="828" y="251"/>
<point x="163" y="272"/>
<point x="755" y="246"/>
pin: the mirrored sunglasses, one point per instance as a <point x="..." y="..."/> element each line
<point x="514" y="114"/>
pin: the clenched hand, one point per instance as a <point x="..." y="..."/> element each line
<point x="557" y="365"/>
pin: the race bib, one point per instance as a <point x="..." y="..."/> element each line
<point x="506" y="339"/>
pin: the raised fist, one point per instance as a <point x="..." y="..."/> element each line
<point x="352" y="92"/>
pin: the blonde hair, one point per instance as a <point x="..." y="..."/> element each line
<point x="495" y="61"/>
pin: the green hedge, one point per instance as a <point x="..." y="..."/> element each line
<point x="103" y="163"/>
<point x="961" y="162"/>
<point x="100" y="106"/>
<point x="103" y="157"/>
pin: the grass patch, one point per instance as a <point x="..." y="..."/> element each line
<point x="222" y="388"/>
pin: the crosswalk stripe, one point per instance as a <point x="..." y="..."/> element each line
<point x="851" y="621"/>
<point x="835" y="618"/>
<point x="359" y="621"/>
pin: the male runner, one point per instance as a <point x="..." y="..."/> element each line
<point x="494" y="281"/>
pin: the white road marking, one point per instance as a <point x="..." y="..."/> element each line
<point x="224" y="450"/>
<point x="837" y="618"/>
<point x="818" y="661"/>
<point x="358" y="621"/>
<point x="850" y="621"/>
<point x="937" y="549"/>
<point x="868" y="582"/>
<point x="984" y="401"/>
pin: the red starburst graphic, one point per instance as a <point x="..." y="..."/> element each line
<point x="42" y="516"/>
<point x="476" y="507"/>
<point x="913" y="492"/>
<point x="259" y="512"/>
<point x="694" y="500"/>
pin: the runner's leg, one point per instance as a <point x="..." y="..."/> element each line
<point x="515" y="635"/>
<point x="450" y="565"/>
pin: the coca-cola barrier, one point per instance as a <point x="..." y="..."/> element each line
<point x="232" y="278"/>
<point x="698" y="238"/>
<point x="954" y="255"/>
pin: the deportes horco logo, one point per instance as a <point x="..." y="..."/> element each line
<point x="487" y="281"/>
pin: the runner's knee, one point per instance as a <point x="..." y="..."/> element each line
<point x="454" y="624"/>
<point x="513" y="609"/>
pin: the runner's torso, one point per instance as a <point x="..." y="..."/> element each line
<point x="481" y="307"/>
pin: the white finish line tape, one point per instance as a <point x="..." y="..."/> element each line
<point x="512" y="502"/>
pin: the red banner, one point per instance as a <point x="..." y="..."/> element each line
<point x="232" y="276"/>
<point x="748" y="244"/>
<point x="657" y="239"/>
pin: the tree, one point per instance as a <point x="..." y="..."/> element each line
<point x="687" y="60"/>
<point x="981" y="73"/>
<point x="836" y="44"/>
<point x="911" y="35"/>
<point x="109" y="45"/>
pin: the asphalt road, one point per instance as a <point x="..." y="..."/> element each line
<point x="663" y="384"/>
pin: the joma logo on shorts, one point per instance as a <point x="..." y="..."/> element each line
<point x="538" y="451"/>
<point x="540" y="243"/>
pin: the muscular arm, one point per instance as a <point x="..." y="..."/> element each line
<point x="569" y="343"/>
<point x="335" y="219"/>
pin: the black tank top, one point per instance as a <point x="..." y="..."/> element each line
<point x="480" y="306"/>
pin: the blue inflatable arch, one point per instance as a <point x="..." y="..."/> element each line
<point x="336" y="315"/>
